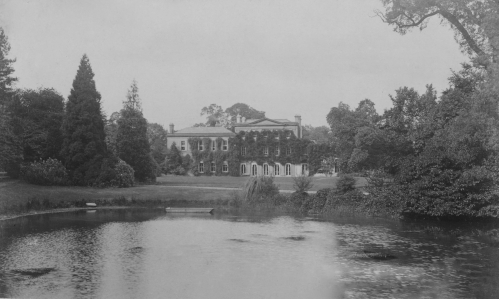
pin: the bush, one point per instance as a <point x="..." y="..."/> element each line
<point x="115" y="173"/>
<point x="302" y="183"/>
<point x="179" y="170"/>
<point x="48" y="172"/>
<point x="345" y="183"/>
<point x="260" y="187"/>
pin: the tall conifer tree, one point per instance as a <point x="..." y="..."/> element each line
<point x="132" y="138"/>
<point x="84" y="144"/>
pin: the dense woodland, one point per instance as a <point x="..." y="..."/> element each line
<point x="437" y="151"/>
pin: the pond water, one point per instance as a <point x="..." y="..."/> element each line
<point x="139" y="254"/>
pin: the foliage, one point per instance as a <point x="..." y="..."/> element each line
<point x="157" y="137"/>
<point x="111" y="129"/>
<point x="174" y="161"/>
<point x="474" y="22"/>
<point x="207" y="156"/>
<point x="45" y="172"/>
<point x="84" y="145"/>
<point x="216" y="116"/>
<point x="302" y="183"/>
<point x="132" y="139"/>
<point x="245" y="111"/>
<point x="115" y="172"/>
<point x="10" y="146"/>
<point x="319" y="135"/>
<point x="259" y="187"/>
<point x="345" y="183"/>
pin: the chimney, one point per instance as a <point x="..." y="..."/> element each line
<point x="298" y="119"/>
<point x="171" y="128"/>
<point x="238" y="118"/>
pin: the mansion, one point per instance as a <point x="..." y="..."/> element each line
<point x="269" y="147"/>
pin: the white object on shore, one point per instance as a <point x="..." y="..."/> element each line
<point x="91" y="204"/>
<point x="189" y="210"/>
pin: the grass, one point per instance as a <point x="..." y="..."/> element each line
<point x="284" y="183"/>
<point x="19" y="197"/>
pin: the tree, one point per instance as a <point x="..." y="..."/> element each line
<point x="157" y="137"/>
<point x="132" y="138"/>
<point x="216" y="116"/>
<point x="84" y="145"/>
<point x="174" y="160"/>
<point x="38" y="116"/>
<point x="320" y="135"/>
<point x="244" y="111"/>
<point x="111" y="130"/>
<point x="9" y="144"/>
<point x="474" y="22"/>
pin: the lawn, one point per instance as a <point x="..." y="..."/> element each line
<point x="284" y="183"/>
<point x="15" y="192"/>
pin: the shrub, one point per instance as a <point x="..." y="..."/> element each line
<point x="302" y="183"/>
<point x="179" y="170"/>
<point x="48" y="172"/>
<point x="318" y="200"/>
<point x="115" y="173"/>
<point x="345" y="183"/>
<point x="260" y="187"/>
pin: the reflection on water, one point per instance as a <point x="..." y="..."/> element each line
<point x="124" y="254"/>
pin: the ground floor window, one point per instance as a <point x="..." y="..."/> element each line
<point x="266" y="169"/>
<point x="212" y="167"/>
<point x="305" y="168"/>
<point x="288" y="169"/>
<point x="254" y="169"/>
<point x="276" y="169"/>
<point x="201" y="167"/>
<point x="225" y="167"/>
<point x="243" y="169"/>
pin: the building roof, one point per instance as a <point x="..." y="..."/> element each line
<point x="266" y="122"/>
<point x="203" y="132"/>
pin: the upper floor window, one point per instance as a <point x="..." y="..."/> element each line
<point x="224" y="145"/>
<point x="183" y="145"/>
<point x="225" y="167"/>
<point x="214" y="145"/>
<point x="212" y="167"/>
<point x="266" y="151"/>
<point x="200" y="145"/>
<point x="243" y="151"/>
<point x="288" y="150"/>
<point x="277" y="151"/>
<point x="288" y="135"/>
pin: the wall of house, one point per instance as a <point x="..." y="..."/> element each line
<point x="178" y="140"/>
<point x="295" y="129"/>
<point x="295" y="170"/>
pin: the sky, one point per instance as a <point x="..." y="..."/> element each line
<point x="284" y="57"/>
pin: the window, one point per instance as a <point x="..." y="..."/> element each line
<point x="276" y="169"/>
<point x="305" y="169"/>
<point x="225" y="167"/>
<point x="266" y="169"/>
<point x="243" y="151"/>
<point x="243" y="168"/>
<point x="214" y="145"/>
<point x="288" y="169"/>
<point x="288" y="150"/>
<point x="288" y="135"/>
<point x="224" y="145"/>
<point x="277" y="151"/>
<point x="266" y="151"/>
<point x="254" y="169"/>
<point x="201" y="167"/>
<point x="212" y="167"/>
<point x="200" y="145"/>
<point x="183" y="145"/>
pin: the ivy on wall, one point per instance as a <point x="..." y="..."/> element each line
<point x="261" y="147"/>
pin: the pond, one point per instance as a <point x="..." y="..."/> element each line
<point x="151" y="254"/>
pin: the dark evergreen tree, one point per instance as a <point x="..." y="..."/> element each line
<point x="84" y="146"/>
<point x="132" y="138"/>
<point x="174" y="159"/>
<point x="10" y="147"/>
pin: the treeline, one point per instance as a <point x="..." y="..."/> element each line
<point x="47" y="140"/>
<point x="437" y="154"/>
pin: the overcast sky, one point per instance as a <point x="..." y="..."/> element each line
<point x="284" y="57"/>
